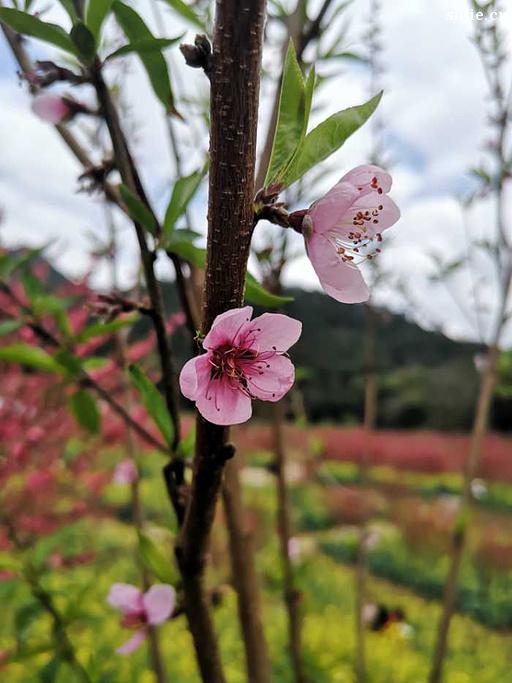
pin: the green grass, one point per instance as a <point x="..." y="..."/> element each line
<point x="476" y="654"/>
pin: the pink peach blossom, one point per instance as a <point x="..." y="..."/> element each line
<point x="141" y="610"/>
<point x="125" y="472"/>
<point x="341" y="228"/>
<point x="51" y="108"/>
<point x="244" y="360"/>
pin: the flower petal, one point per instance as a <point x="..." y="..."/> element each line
<point x="362" y="176"/>
<point x="329" y="210"/>
<point x="135" y="641"/>
<point x="50" y="108"/>
<point x="224" y="404"/>
<point x="272" y="332"/>
<point x="226" y="326"/>
<point x="384" y="209"/>
<point x="125" y="597"/>
<point x="340" y="280"/>
<point x="195" y="376"/>
<point x="159" y="602"/>
<point x="275" y="380"/>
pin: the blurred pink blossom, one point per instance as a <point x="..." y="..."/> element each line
<point x="341" y="228"/>
<point x="125" y="472"/>
<point x="244" y="360"/>
<point x="51" y="108"/>
<point x="141" y="610"/>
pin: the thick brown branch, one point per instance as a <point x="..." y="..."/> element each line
<point x="235" y="80"/>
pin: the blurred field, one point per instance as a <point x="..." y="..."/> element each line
<point x="410" y="516"/>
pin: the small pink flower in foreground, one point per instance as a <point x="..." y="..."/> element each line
<point x="244" y="360"/>
<point x="141" y="610"/>
<point x="340" y="228"/>
<point x="125" y="472"/>
<point x="52" y="108"/>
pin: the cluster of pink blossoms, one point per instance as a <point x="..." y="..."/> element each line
<point x="246" y="359"/>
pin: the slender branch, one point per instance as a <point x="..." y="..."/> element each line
<point x="63" y="645"/>
<point x="244" y="578"/>
<point x="292" y="596"/>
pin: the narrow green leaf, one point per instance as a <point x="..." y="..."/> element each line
<point x="187" y="445"/>
<point x="257" y="294"/>
<point x="10" y="262"/>
<point x="154" y="62"/>
<point x="29" y="25"/>
<point x="10" y="326"/>
<point x="95" y="15"/>
<point x="153" y="402"/>
<point x="327" y="138"/>
<point x="158" y="563"/>
<point x="84" y="41"/>
<point x="290" y="118"/>
<point x="48" y="673"/>
<point x="30" y="356"/>
<point x="187" y="251"/>
<point x="138" y="210"/>
<point x="182" y="194"/>
<point x="99" y="329"/>
<point x="23" y="618"/>
<point x="186" y="12"/>
<point x="144" y="46"/>
<point x="85" y="410"/>
<point x="70" y="9"/>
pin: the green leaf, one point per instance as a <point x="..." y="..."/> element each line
<point x="154" y="62"/>
<point x="187" y="445"/>
<point x="29" y="25"/>
<point x="99" y="329"/>
<point x="186" y="12"/>
<point x="49" y="672"/>
<point x="291" y="118"/>
<point x="95" y="15"/>
<point x="327" y="138"/>
<point x="257" y="294"/>
<point x="145" y="45"/>
<point x="186" y="250"/>
<point x="10" y="262"/>
<point x="84" y="41"/>
<point x="153" y="402"/>
<point x="10" y="326"/>
<point x="30" y="356"/>
<point x="25" y="615"/>
<point x="138" y="210"/>
<point x="182" y="194"/>
<point x="70" y="9"/>
<point x="158" y="563"/>
<point x="85" y="410"/>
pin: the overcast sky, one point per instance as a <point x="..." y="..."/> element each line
<point x="434" y="114"/>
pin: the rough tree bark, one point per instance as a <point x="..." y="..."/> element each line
<point x="235" y="78"/>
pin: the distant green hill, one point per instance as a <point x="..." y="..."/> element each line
<point x="425" y="379"/>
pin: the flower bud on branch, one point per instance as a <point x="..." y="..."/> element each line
<point x="198" y="55"/>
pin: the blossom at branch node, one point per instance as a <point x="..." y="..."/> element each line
<point x="343" y="229"/>
<point x="141" y="610"/>
<point x="244" y="360"/>
<point x="52" y="108"/>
